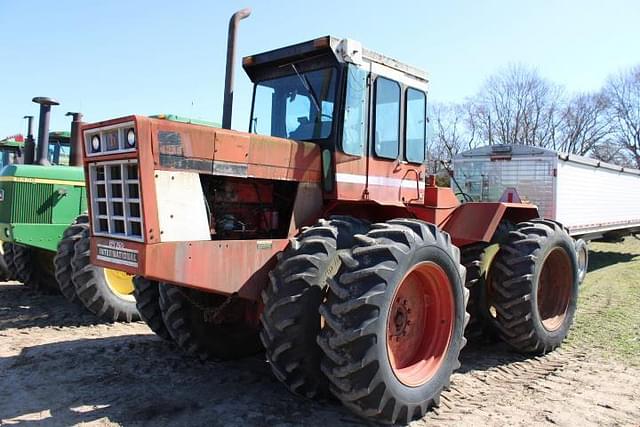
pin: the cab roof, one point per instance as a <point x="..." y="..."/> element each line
<point x="343" y="50"/>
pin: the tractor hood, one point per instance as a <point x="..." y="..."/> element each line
<point x="36" y="173"/>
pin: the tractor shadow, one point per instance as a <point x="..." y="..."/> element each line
<point x="141" y="380"/>
<point x="601" y="259"/>
<point x="21" y="307"/>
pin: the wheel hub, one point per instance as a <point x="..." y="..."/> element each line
<point x="120" y="283"/>
<point x="420" y="324"/>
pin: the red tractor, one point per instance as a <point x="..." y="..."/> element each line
<point x="318" y="236"/>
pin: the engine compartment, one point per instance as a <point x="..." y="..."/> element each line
<point x="248" y="208"/>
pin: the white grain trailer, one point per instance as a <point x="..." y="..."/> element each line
<point x="593" y="199"/>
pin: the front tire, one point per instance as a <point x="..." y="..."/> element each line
<point x="290" y="320"/>
<point x="64" y="257"/>
<point x="7" y="256"/>
<point x="147" y="294"/>
<point x="34" y="268"/>
<point x="184" y="312"/>
<point x="536" y="286"/>
<point x="394" y="321"/>
<point x="106" y="293"/>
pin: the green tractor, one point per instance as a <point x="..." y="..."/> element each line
<point x="43" y="222"/>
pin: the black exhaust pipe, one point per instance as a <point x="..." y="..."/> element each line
<point x="29" y="152"/>
<point x="231" y="58"/>
<point x="75" y="156"/>
<point x="43" y="128"/>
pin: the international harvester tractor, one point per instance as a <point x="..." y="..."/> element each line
<point x="319" y="237"/>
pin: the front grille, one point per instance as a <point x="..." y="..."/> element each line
<point x="27" y="203"/>
<point x="116" y="204"/>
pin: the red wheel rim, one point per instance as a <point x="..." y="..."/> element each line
<point x="555" y="287"/>
<point x="420" y="324"/>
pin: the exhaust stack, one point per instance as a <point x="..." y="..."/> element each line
<point x="43" y="128"/>
<point x="29" y="153"/>
<point x="75" y="156"/>
<point x="231" y="58"/>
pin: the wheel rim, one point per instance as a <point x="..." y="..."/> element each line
<point x="555" y="288"/>
<point x="420" y="324"/>
<point x="582" y="260"/>
<point x="120" y="283"/>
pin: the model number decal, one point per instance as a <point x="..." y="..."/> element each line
<point x="117" y="254"/>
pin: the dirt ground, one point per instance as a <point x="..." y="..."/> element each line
<point x="58" y="366"/>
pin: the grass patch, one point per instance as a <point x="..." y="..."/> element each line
<point x="608" y="315"/>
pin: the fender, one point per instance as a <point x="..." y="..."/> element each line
<point x="478" y="221"/>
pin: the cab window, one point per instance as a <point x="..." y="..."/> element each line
<point x="387" y="118"/>
<point x="297" y="106"/>
<point x="415" y="130"/>
<point x="355" y="112"/>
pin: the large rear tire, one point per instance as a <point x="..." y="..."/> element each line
<point x="34" y="268"/>
<point x="7" y="256"/>
<point x="106" y="293"/>
<point x="394" y="321"/>
<point x="64" y="257"/>
<point x="184" y="312"/>
<point x="147" y="294"/>
<point x="535" y="286"/>
<point x="290" y="320"/>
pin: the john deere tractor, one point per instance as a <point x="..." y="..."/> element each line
<point x="42" y="217"/>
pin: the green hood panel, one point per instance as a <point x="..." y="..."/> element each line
<point x="63" y="173"/>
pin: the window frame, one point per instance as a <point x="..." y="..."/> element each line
<point x="374" y="117"/>
<point x="406" y="126"/>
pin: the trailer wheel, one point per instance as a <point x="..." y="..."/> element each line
<point x="64" y="256"/>
<point x="394" y="321"/>
<point x="536" y="286"/>
<point x="290" y="320"/>
<point x="478" y="260"/>
<point x="7" y="269"/>
<point x="147" y="295"/>
<point x="106" y="293"/>
<point x="582" y="255"/>
<point x="184" y="312"/>
<point x="34" y="268"/>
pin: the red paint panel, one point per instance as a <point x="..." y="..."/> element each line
<point x="216" y="266"/>
<point x="477" y="222"/>
<point x="277" y="158"/>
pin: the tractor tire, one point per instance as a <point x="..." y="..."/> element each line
<point x="147" y="294"/>
<point x="8" y="255"/>
<point x="290" y="320"/>
<point x="378" y="330"/>
<point x="5" y="271"/>
<point x="34" y="268"/>
<point x="535" y="286"/>
<point x="582" y="255"/>
<point x="64" y="257"/>
<point x="98" y="289"/>
<point x="480" y="321"/>
<point x="183" y="312"/>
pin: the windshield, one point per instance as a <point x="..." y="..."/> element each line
<point x="298" y="106"/>
<point x="59" y="153"/>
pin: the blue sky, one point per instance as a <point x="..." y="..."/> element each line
<point x="114" y="58"/>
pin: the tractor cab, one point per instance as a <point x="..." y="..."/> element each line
<point x="366" y="112"/>
<point x="59" y="148"/>
<point x="11" y="150"/>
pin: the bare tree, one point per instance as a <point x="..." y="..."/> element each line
<point x="450" y="134"/>
<point x="584" y="125"/>
<point x="516" y="106"/>
<point x="623" y="93"/>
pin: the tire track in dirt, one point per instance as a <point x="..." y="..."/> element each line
<point x="64" y="368"/>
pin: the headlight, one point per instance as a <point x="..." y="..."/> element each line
<point x="131" y="138"/>
<point x="95" y="143"/>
